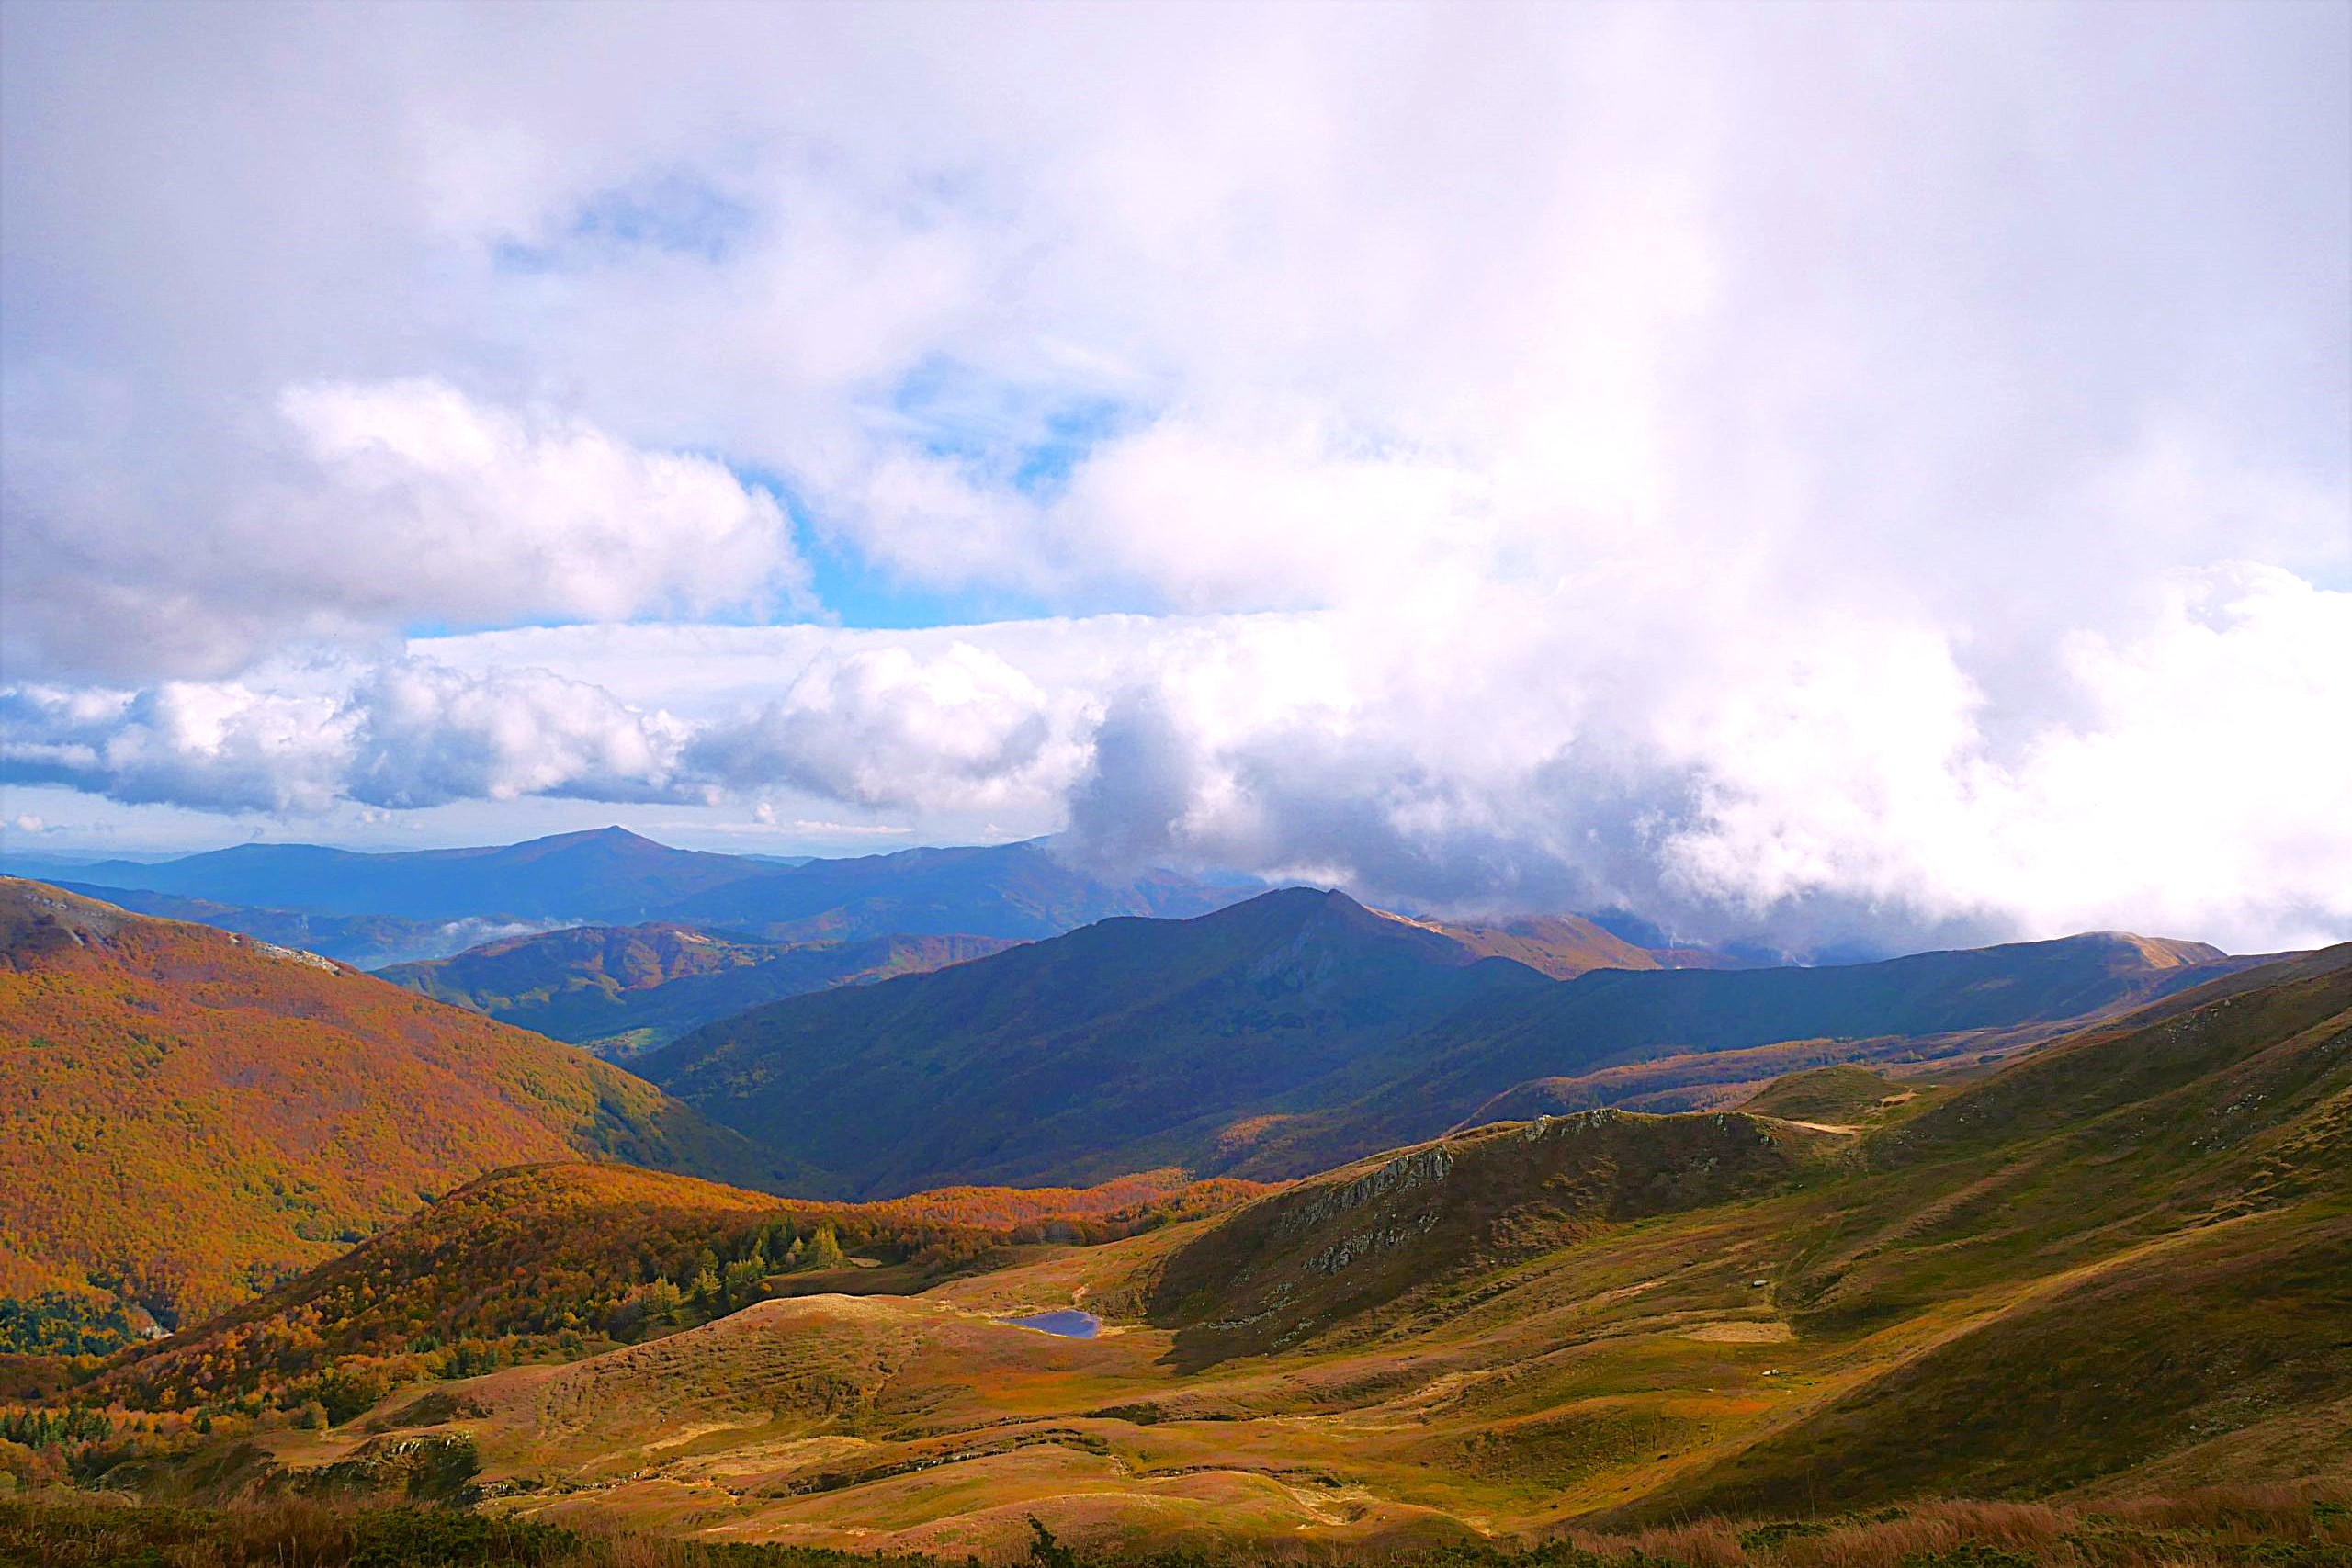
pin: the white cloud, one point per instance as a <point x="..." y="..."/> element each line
<point x="883" y="727"/>
<point x="433" y="735"/>
<point x="401" y="735"/>
<point x="224" y="746"/>
<point x="1879" y="469"/>
<point x="433" y="503"/>
<point x="389" y="503"/>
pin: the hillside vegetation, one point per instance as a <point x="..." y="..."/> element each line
<point x="2117" y="1268"/>
<point x="2272" y="1526"/>
<point x="1299" y="1031"/>
<point x="188" y="1116"/>
<point x="551" y="1259"/>
<point x="622" y="989"/>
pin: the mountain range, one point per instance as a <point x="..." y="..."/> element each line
<point x="240" y="1108"/>
<point x="620" y="990"/>
<point x="611" y="876"/>
<point x="1300" y="1029"/>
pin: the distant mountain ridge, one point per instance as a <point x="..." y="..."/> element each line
<point x="611" y="876"/>
<point x="604" y="873"/>
<point x="620" y="990"/>
<point x="363" y="942"/>
<point x="1293" y="1033"/>
<point x="1609" y="1018"/>
<point x="187" y="1114"/>
<point x="1097" y="1051"/>
<point x="1564" y="946"/>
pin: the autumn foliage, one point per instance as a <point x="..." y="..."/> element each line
<point x="557" y="1261"/>
<point x="189" y="1116"/>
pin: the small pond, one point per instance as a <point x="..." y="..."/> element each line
<point x="1069" y="1323"/>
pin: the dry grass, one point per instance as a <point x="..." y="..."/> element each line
<point x="2276" y="1526"/>
<point x="2304" y="1526"/>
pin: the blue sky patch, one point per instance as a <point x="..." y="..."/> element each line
<point x="673" y="214"/>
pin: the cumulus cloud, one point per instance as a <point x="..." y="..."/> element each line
<point x="404" y="735"/>
<point x="883" y="727"/>
<point x="432" y="735"/>
<point x="1865" y="474"/>
<point x="381" y="504"/>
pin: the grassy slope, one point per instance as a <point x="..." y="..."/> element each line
<point x="2123" y="1257"/>
<point x="187" y="1115"/>
<point x="2169" y="1201"/>
<point x="650" y="983"/>
<point x="526" y="1258"/>
<point x="1329" y="1249"/>
<point x="1835" y="1095"/>
<point x="2310" y="1527"/>
<point x="1561" y="947"/>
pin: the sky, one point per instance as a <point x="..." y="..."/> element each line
<point x="1824" y="474"/>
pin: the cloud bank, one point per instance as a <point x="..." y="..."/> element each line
<point x="1845" y="475"/>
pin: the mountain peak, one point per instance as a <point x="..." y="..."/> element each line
<point x="616" y="837"/>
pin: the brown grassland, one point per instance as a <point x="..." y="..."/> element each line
<point x="2106" y="1290"/>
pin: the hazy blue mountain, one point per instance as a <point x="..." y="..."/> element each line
<point x="612" y="877"/>
<point x="1002" y="890"/>
<point x="623" y="989"/>
<point x="609" y="874"/>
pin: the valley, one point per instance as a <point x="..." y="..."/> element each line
<point x="1294" y="1220"/>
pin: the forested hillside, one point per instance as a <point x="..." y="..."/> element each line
<point x="188" y="1115"/>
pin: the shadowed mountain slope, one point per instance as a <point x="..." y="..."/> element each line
<point x="1291" y="1033"/>
<point x="187" y="1115"/>
<point x="1127" y="1044"/>
<point x="623" y="989"/>
<point x="1612" y="1018"/>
